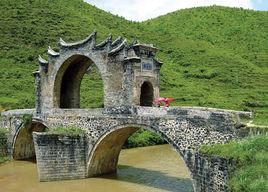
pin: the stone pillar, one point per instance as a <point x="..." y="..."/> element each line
<point x="60" y="156"/>
<point x="38" y="101"/>
<point x="128" y="84"/>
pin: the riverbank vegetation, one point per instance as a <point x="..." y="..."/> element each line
<point x="3" y="159"/>
<point x="142" y="138"/>
<point x="251" y="155"/>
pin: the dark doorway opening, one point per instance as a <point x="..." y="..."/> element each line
<point x="147" y="94"/>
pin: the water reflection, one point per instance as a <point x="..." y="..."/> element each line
<point x="150" y="178"/>
<point x="149" y="169"/>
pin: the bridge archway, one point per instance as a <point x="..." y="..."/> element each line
<point x="23" y="145"/>
<point x="103" y="158"/>
<point x="68" y="81"/>
<point x="146" y="94"/>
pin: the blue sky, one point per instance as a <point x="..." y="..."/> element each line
<point x="260" y="5"/>
<point x="140" y="10"/>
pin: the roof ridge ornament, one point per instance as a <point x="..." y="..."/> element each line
<point x="118" y="48"/>
<point x="135" y="41"/>
<point x="62" y="43"/>
<point x="42" y="61"/>
<point x="104" y="43"/>
<point x="43" y="64"/>
<point x="51" y="52"/>
<point x="117" y="41"/>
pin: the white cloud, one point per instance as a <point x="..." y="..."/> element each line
<point x="140" y="10"/>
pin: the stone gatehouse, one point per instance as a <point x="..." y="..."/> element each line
<point x="130" y="73"/>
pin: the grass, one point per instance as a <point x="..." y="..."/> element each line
<point x="4" y="159"/>
<point x="251" y="154"/>
<point x="3" y="131"/>
<point x="71" y="130"/>
<point x="27" y="118"/>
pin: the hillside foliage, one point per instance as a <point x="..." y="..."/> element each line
<point x="213" y="56"/>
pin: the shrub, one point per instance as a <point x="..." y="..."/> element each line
<point x="143" y="138"/>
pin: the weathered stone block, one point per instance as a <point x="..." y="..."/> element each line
<point x="60" y="156"/>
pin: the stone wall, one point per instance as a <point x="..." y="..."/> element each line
<point x="209" y="173"/>
<point x="60" y="156"/>
<point x="3" y="144"/>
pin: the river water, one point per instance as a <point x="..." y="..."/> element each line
<point x="146" y="169"/>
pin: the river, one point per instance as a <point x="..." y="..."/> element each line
<point x="146" y="169"/>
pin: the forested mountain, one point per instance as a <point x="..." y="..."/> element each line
<point x="213" y="56"/>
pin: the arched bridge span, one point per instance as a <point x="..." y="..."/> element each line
<point x="186" y="129"/>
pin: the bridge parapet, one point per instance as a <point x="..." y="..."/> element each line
<point x="13" y="119"/>
<point x="197" y="121"/>
<point x="72" y="112"/>
<point x="240" y="117"/>
<point x="17" y="112"/>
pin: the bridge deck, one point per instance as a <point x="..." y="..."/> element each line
<point x="132" y="111"/>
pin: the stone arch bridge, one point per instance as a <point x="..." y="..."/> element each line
<point x="73" y="157"/>
<point x="130" y="75"/>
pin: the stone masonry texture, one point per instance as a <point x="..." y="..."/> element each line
<point x="60" y="156"/>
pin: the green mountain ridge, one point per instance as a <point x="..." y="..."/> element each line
<point x="213" y="56"/>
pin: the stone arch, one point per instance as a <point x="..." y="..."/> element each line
<point x="146" y="94"/>
<point x="23" y="145"/>
<point x="103" y="158"/>
<point x="68" y="80"/>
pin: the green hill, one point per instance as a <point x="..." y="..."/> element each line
<point x="213" y="56"/>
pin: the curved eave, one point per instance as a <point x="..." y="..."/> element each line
<point x="118" y="48"/>
<point x="89" y="39"/>
<point x="159" y="63"/>
<point x="104" y="43"/>
<point x="36" y="73"/>
<point x="146" y="46"/>
<point x="42" y="61"/>
<point x="116" y="42"/>
<point x="132" y="59"/>
<point x="51" y="52"/>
